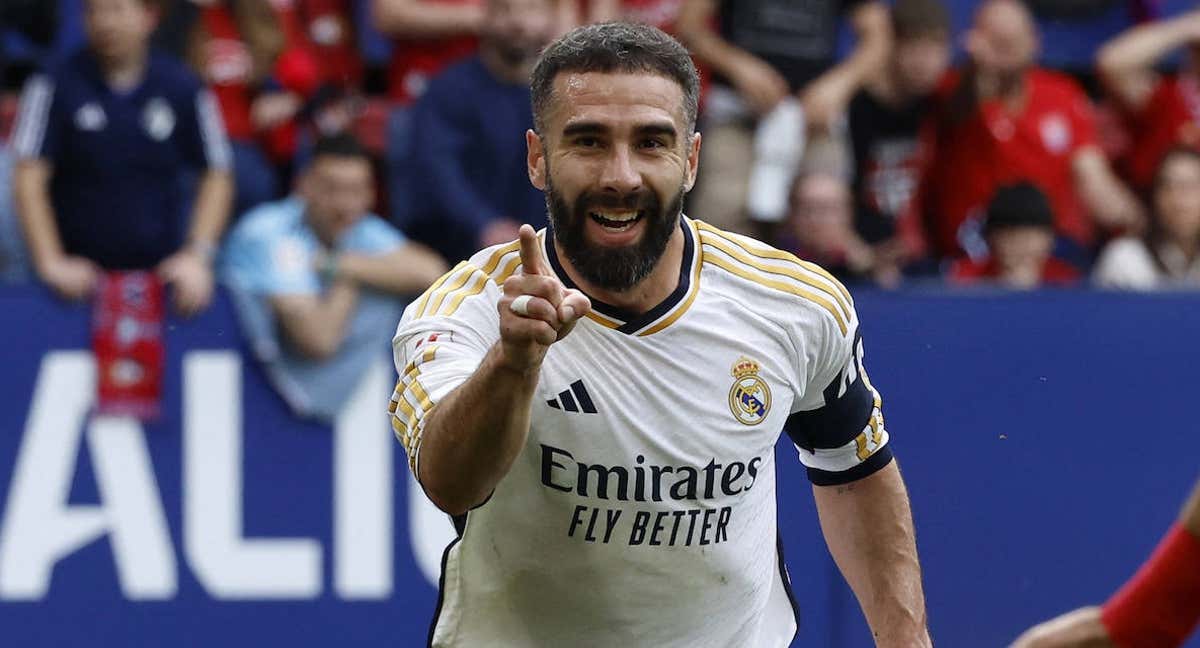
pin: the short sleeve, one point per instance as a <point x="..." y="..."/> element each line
<point x="443" y="337"/>
<point x="38" y="129"/>
<point x="837" y="423"/>
<point x="202" y="133"/>
<point x="269" y="265"/>
<point x="372" y="235"/>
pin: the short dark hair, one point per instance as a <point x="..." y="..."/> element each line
<point x="1021" y="204"/>
<point x="615" y="47"/>
<point x="920" y="18"/>
<point x="339" y="145"/>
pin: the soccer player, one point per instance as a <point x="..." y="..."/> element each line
<point x="597" y="406"/>
<point x="1158" y="608"/>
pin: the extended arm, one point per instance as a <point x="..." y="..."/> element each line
<point x="1159" y="600"/>
<point x="1126" y="63"/>
<point x="868" y="528"/>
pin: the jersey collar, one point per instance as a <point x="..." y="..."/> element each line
<point x="657" y="318"/>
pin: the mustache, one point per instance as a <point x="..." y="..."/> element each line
<point x="638" y="200"/>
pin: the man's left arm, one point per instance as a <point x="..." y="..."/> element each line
<point x="837" y="425"/>
<point x="826" y="97"/>
<point x="868" y="528"/>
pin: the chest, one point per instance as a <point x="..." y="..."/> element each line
<point x="702" y="389"/>
<point x="107" y="131"/>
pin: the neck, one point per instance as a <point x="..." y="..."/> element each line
<point x="647" y="293"/>
<point x="502" y="69"/>
<point x="124" y="73"/>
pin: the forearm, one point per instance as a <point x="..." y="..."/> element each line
<point x="408" y="270"/>
<point x="316" y="326"/>
<point x="868" y="528"/>
<point x="705" y="44"/>
<point x="31" y="189"/>
<point x="472" y="437"/>
<point x="419" y="19"/>
<point x="869" y="55"/>
<point x="214" y="199"/>
<point x="1140" y="48"/>
<point x="1106" y="198"/>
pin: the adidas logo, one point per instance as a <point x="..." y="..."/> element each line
<point x="574" y="399"/>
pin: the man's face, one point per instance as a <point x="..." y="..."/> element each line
<point x="1004" y="41"/>
<point x="517" y="29"/>
<point x="338" y="191"/>
<point x="118" y="29"/>
<point x="1177" y="197"/>
<point x="822" y="220"/>
<point x="921" y="62"/>
<point x="615" y="161"/>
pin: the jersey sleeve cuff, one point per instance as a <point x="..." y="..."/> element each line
<point x="873" y="464"/>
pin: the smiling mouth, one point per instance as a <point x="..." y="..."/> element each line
<point x="617" y="221"/>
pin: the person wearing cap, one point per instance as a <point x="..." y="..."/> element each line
<point x="1019" y="230"/>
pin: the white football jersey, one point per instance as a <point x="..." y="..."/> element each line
<point x="642" y="510"/>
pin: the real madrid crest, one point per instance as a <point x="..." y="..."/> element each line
<point x="749" y="397"/>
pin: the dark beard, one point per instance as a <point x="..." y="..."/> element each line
<point x="613" y="268"/>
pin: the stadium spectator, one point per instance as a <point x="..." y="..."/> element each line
<point x="233" y="46"/>
<point x="885" y="120"/>
<point x="1158" y="608"/>
<point x="1019" y="230"/>
<point x="466" y="184"/>
<point x="103" y="139"/>
<point x="822" y="228"/>
<point x="1002" y="120"/>
<point x="1168" y="256"/>
<point x="319" y="282"/>
<point x="1160" y="110"/>
<point x="761" y="53"/>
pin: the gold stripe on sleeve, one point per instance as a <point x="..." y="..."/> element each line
<point x="757" y="278"/>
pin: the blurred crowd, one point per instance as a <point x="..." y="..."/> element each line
<point x="324" y="157"/>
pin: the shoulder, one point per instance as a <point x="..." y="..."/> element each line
<point x="468" y="285"/>
<point x="1126" y="263"/>
<point x="269" y="221"/>
<point x="778" y="285"/>
<point x="455" y="78"/>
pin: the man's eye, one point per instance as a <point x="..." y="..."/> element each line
<point x="588" y="142"/>
<point x="652" y="144"/>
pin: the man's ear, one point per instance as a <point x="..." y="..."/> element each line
<point x="535" y="160"/>
<point x="693" y="161"/>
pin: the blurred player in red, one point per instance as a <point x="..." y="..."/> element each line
<point x="1158" y="608"/>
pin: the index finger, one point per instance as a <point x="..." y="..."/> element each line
<point x="532" y="262"/>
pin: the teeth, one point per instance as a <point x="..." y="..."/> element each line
<point x="620" y="217"/>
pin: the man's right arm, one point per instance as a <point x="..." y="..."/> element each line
<point x="315" y="325"/>
<point x="463" y="424"/>
<point x="1126" y="63"/>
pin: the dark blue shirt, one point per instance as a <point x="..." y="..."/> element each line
<point x="467" y="166"/>
<point x="119" y="159"/>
